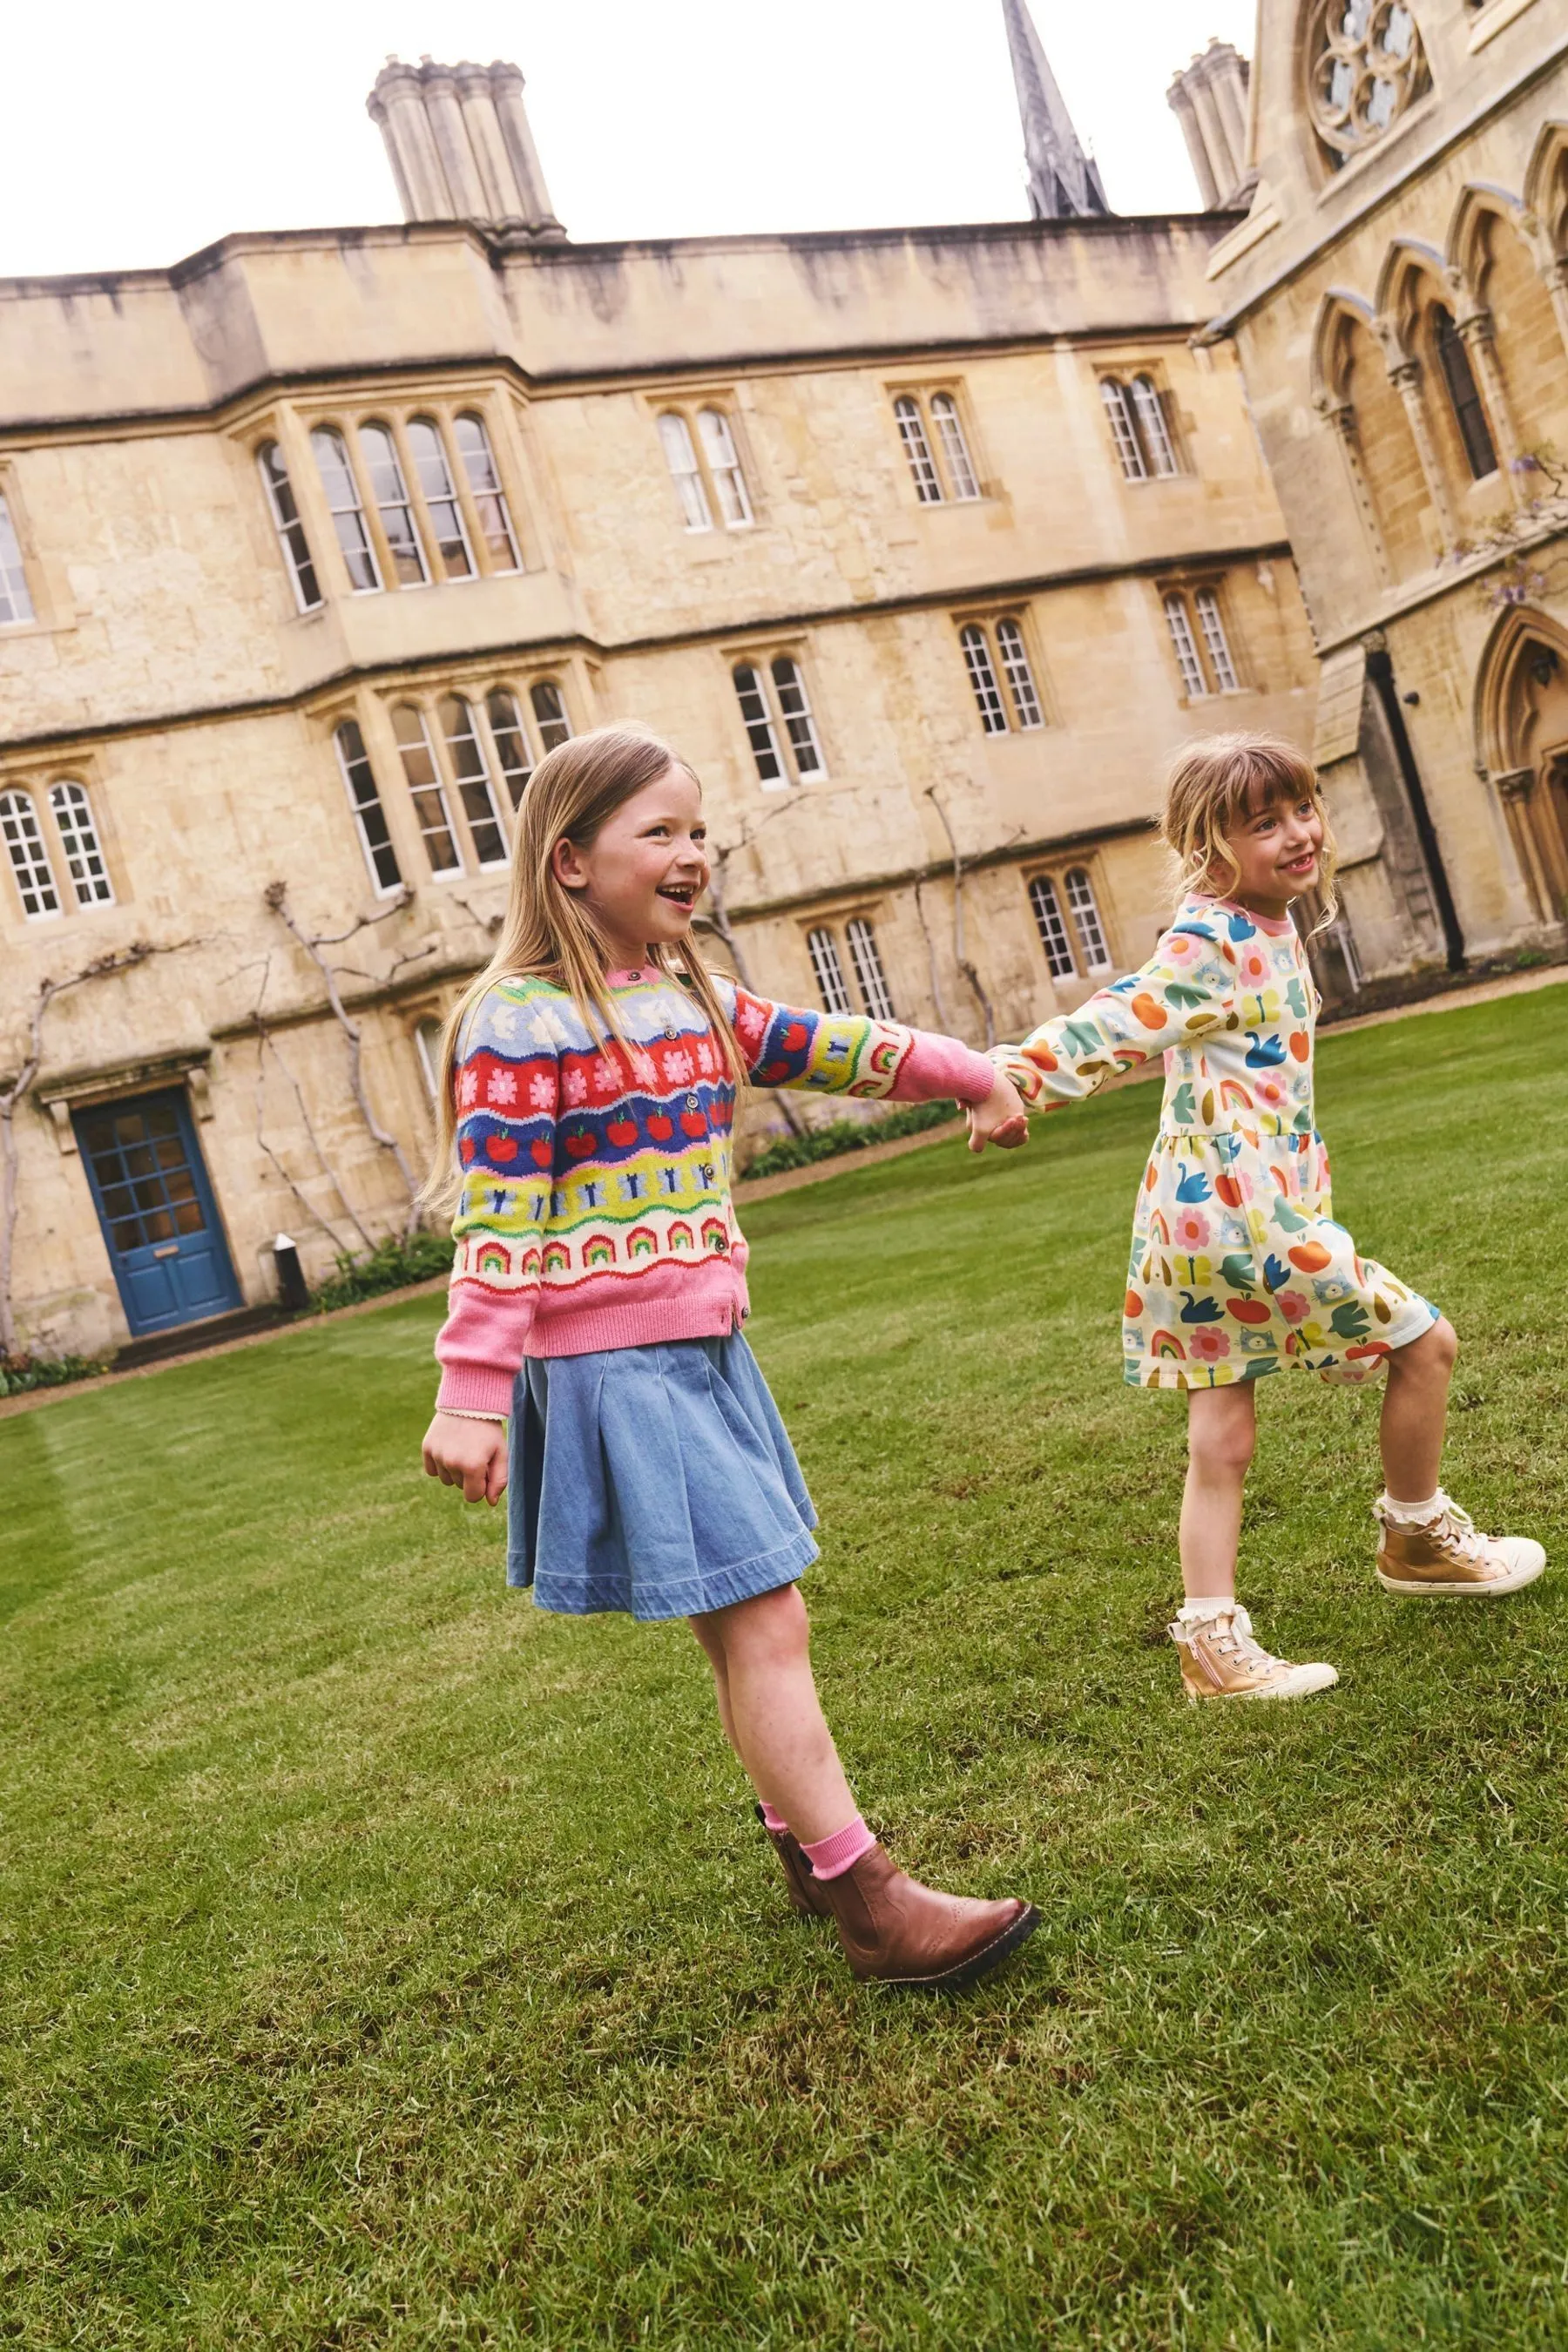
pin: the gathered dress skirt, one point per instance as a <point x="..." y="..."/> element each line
<point x="658" y="1480"/>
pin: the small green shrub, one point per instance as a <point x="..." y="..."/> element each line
<point x="391" y="1264"/>
<point x="846" y="1135"/>
<point x="24" y="1372"/>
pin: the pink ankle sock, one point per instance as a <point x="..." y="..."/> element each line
<point x="830" y="1857"/>
<point x="771" y="1820"/>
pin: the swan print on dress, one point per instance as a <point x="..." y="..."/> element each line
<point x="1238" y="1265"/>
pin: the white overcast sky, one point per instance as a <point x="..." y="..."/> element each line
<point x="144" y="133"/>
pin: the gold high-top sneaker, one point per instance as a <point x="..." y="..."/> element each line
<point x="1448" y="1555"/>
<point x="1221" y="1660"/>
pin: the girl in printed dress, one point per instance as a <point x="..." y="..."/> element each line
<point x="1237" y="1267"/>
<point x="598" y="1291"/>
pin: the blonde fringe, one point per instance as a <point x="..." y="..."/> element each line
<point x="547" y="934"/>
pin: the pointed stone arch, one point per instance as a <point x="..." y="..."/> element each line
<point x="1353" y="392"/>
<point x="1409" y="263"/>
<point x="1521" y="717"/>
<point x="1501" y="266"/>
<point x="1340" y="314"/>
<point x="1546" y="185"/>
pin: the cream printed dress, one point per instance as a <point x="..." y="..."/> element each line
<point x="1237" y="1267"/>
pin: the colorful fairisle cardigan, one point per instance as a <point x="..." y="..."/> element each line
<point x="595" y="1209"/>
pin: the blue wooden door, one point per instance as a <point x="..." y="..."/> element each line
<point x="155" y="1205"/>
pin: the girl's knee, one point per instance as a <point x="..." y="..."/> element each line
<point x="1434" y="1355"/>
<point x="1222" y="1431"/>
<point x="772" y="1623"/>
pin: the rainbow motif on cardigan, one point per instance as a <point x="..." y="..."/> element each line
<point x="596" y="1175"/>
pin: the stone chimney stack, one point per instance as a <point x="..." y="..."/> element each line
<point x="460" y="148"/>
<point x="1209" y="102"/>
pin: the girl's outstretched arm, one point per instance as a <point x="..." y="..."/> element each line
<point x="1186" y="989"/>
<point x="850" y="1053"/>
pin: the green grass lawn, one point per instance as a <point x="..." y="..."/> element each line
<point x="386" y="1963"/>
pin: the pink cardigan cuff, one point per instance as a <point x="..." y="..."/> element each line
<point x="938" y="1066"/>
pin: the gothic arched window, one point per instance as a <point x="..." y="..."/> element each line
<point x="1464" y="395"/>
<point x="1365" y="65"/>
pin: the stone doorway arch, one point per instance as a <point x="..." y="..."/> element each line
<point x="1521" y="730"/>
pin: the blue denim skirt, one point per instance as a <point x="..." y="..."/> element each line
<point x="658" y="1480"/>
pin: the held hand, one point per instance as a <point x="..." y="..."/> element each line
<point x="1001" y="1118"/>
<point x="467" y="1454"/>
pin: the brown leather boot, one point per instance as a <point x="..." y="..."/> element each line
<point x="893" y="1927"/>
<point x="807" y="1896"/>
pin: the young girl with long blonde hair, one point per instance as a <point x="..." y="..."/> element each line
<point x="1237" y="1267"/>
<point x="598" y="1290"/>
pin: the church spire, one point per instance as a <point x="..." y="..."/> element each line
<point x="1064" y="182"/>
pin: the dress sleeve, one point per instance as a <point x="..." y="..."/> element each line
<point x="1185" y="990"/>
<point x="507" y="1081"/>
<point x="845" y="1054"/>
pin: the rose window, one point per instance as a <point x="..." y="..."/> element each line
<point x="1364" y="67"/>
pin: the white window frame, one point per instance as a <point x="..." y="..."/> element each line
<point x="393" y="508"/>
<point x="1217" y="644"/>
<point x="757" y="719"/>
<point x="554" y="726"/>
<point x="429" y="1050"/>
<point x="1123" y="434"/>
<point x="284" y="509"/>
<point x="1087" y="919"/>
<point x="514" y="775"/>
<point x="1189" y="661"/>
<point x="962" y="481"/>
<point x="680" y="457"/>
<point x="780" y="722"/>
<point x="975" y="641"/>
<point x="912" y="433"/>
<point x="1051" y="924"/>
<point x="725" y="471"/>
<point x="474" y="786"/>
<point x="360" y="803"/>
<point x="1013" y="652"/>
<point x="438" y="489"/>
<point x="434" y="791"/>
<point x="346" y="507"/>
<point x="32" y="868"/>
<point x="17" y="607"/>
<point x="487" y="490"/>
<point x="72" y="811"/>
<point x="788" y="682"/>
<point x="866" y="959"/>
<point x="828" y="968"/>
<point x="1154" y="428"/>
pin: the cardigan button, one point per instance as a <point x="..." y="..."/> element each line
<point x="691" y="1102"/>
<point x="672" y="1034"/>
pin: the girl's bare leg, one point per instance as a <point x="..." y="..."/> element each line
<point x="707" y="1633"/>
<point x="769" y="1706"/>
<point x="1222" y="1425"/>
<point x="1415" y="1411"/>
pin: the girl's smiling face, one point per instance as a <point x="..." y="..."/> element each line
<point x="1277" y="851"/>
<point x="645" y="870"/>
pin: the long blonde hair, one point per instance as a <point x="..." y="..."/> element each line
<point x="574" y="792"/>
<point x="1217" y="781"/>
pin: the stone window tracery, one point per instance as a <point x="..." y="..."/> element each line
<point x="775" y="709"/>
<point x="485" y="489"/>
<point x="1365" y="65"/>
<point x="1204" y="656"/>
<point x="712" y="482"/>
<point x="390" y="492"/>
<point x="1010" y="657"/>
<point x="441" y="502"/>
<point x="1140" y="429"/>
<point x="931" y="427"/>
